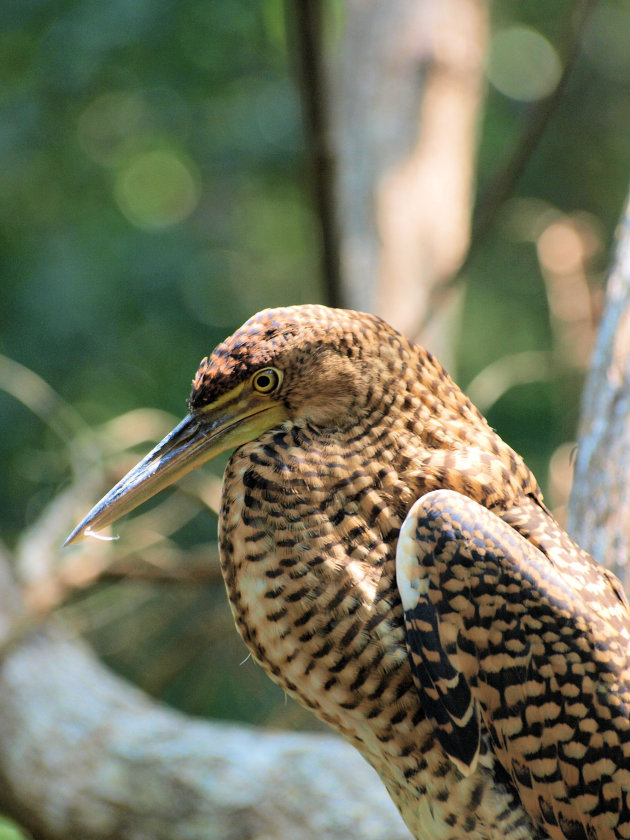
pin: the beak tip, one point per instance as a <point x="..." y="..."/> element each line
<point x="175" y="455"/>
<point x="81" y="530"/>
<point x="74" y="536"/>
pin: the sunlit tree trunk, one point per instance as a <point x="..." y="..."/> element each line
<point x="406" y="90"/>
<point x="599" y="510"/>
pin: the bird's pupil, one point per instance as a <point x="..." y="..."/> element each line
<point x="264" y="381"/>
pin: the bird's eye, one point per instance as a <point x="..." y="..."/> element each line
<point x="266" y="380"/>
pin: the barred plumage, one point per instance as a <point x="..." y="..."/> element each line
<point x="494" y="698"/>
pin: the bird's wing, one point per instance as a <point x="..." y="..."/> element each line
<point x="503" y="636"/>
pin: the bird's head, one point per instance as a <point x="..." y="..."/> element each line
<point x="308" y="363"/>
<point x="302" y="364"/>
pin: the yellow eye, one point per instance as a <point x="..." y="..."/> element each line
<point x="266" y="380"/>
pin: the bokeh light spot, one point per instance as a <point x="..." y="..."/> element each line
<point x="523" y="64"/>
<point x="109" y="126"/>
<point x="157" y="189"/>
<point x="560" y="248"/>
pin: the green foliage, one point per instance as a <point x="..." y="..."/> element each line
<point x="10" y="831"/>
<point x="153" y="196"/>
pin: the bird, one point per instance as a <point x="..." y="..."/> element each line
<point x="390" y="563"/>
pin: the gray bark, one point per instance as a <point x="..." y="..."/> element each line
<point x="599" y="510"/>
<point x="85" y="755"/>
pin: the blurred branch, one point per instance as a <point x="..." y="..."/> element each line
<point x="564" y="246"/>
<point x="563" y="251"/>
<point x="24" y="385"/>
<point x="50" y="580"/>
<point x="307" y="19"/>
<point x="516" y="369"/>
<point x="142" y="568"/>
<point x="83" y="754"/>
<point x="599" y="510"/>
<point x="31" y="390"/>
<point x="50" y="577"/>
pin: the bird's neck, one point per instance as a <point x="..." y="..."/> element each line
<point x="309" y="530"/>
<point x="306" y="546"/>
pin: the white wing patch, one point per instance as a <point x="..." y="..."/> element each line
<point x="412" y="583"/>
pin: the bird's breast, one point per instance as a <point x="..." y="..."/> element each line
<point x="308" y="554"/>
<point x="308" y="561"/>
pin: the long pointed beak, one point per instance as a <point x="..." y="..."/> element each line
<point x="197" y="439"/>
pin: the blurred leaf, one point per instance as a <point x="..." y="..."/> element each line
<point x="10" y="831"/>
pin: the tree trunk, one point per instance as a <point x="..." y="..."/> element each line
<point x="85" y="755"/>
<point x="599" y="509"/>
<point x="406" y="92"/>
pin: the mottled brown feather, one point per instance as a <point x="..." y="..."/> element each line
<point x="309" y="528"/>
